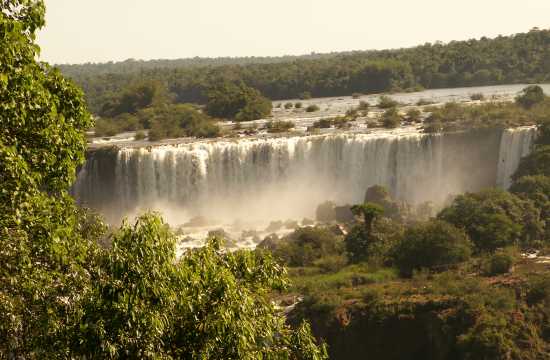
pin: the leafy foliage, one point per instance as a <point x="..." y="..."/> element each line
<point x="530" y="96"/>
<point x="495" y="218"/>
<point x="237" y="101"/>
<point x="434" y="245"/>
<point x="536" y="163"/>
<point x="61" y="295"/>
<point x="519" y="58"/>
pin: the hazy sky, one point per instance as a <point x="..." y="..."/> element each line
<point x="102" y="30"/>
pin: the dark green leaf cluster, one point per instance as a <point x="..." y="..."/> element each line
<point x="495" y="218"/>
<point x="435" y="245"/>
<point x="237" y="101"/>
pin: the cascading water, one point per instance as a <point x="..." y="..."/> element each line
<point x="516" y="143"/>
<point x="281" y="178"/>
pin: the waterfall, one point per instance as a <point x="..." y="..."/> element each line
<point x="287" y="177"/>
<point x="515" y="144"/>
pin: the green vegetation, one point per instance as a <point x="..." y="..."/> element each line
<point x="530" y="96"/>
<point x="313" y="108"/>
<point x="237" y="101"/>
<point x="386" y="102"/>
<point x="279" y="126"/>
<point x="454" y="287"/>
<point x="391" y="118"/>
<point x="434" y="245"/>
<point x="63" y="294"/>
<point x="477" y="97"/>
<point x="456" y="117"/>
<point x="495" y="218"/>
<point x="413" y="115"/>
<point x="499" y="263"/>
<point x="519" y="58"/>
<point x="536" y="163"/>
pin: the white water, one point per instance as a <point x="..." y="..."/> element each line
<point x="253" y="180"/>
<point x="515" y="144"/>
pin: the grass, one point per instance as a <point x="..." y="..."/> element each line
<point x="310" y="280"/>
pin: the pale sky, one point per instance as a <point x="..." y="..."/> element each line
<point x="80" y="31"/>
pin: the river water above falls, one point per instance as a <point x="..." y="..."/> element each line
<point x="252" y="180"/>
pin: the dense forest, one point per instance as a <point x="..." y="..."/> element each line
<point x="520" y="58"/>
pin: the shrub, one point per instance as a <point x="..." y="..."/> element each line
<point x="298" y="105"/>
<point x="323" y="123"/>
<point x="477" y="97"/>
<point x="313" y="108"/>
<point x="432" y="127"/>
<point x="279" y="126"/>
<point x="530" y="96"/>
<point x="363" y="105"/>
<point x="289" y="105"/>
<point x="307" y="245"/>
<point x="237" y="101"/>
<point x="386" y="102"/>
<point x="536" y="163"/>
<point x="413" y="115"/>
<point x="498" y="264"/>
<point x="494" y="219"/>
<point x="433" y="245"/>
<point x="140" y="135"/>
<point x="391" y="118"/>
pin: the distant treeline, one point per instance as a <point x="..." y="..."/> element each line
<point x="520" y="58"/>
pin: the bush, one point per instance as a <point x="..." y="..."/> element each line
<point x="237" y="101"/>
<point x="498" y="264"/>
<point x="298" y="105"/>
<point x="391" y="118"/>
<point x="140" y="135"/>
<point x="495" y="219"/>
<point x="413" y="115"/>
<point x="530" y="96"/>
<point x="289" y="105"/>
<point x="313" y="108"/>
<point x="386" y="102"/>
<point x="477" y="97"/>
<point x="323" y="123"/>
<point x="536" y="163"/>
<point x="434" y="245"/>
<point x="363" y="106"/>
<point x="305" y="246"/>
<point x="279" y="126"/>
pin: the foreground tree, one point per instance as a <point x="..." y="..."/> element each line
<point x="61" y="295"/>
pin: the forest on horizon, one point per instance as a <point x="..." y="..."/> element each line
<point x="518" y="58"/>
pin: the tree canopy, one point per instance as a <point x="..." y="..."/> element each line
<point x="519" y="58"/>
